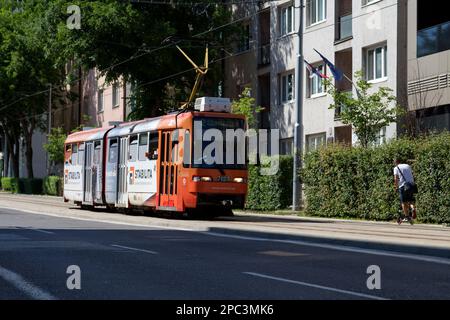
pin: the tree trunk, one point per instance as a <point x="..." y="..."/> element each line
<point x="13" y="151"/>
<point x="28" y="130"/>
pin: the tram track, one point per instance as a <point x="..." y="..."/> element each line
<point x="346" y="228"/>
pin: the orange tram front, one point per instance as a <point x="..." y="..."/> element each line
<point x="160" y="164"/>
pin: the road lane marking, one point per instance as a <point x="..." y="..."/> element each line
<point x="39" y="230"/>
<point x="24" y="286"/>
<point x="103" y="221"/>
<point x="305" y="284"/>
<point x="134" y="249"/>
<point x="393" y="254"/>
<point x="339" y="248"/>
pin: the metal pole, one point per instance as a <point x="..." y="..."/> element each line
<point x="298" y="129"/>
<point x="49" y="124"/>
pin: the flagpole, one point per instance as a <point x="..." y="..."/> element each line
<point x="298" y="128"/>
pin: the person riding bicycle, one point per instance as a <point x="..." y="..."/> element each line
<point x="404" y="183"/>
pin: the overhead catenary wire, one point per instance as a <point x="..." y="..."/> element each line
<point x="245" y="18"/>
<point x="148" y="83"/>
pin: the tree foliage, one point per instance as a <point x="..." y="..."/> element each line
<point x="368" y="112"/>
<point x="55" y="145"/>
<point x="246" y="105"/>
<point x="121" y="39"/>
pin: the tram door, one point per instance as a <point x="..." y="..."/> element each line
<point x="122" y="187"/>
<point x="88" y="173"/>
<point x="168" y="170"/>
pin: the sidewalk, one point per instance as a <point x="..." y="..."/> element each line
<point x="419" y="239"/>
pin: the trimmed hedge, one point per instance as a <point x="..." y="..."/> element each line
<point x="358" y="183"/>
<point x="272" y="192"/>
<point x="10" y="184"/>
<point x="52" y="186"/>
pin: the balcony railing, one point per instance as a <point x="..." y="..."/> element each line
<point x="345" y="27"/>
<point x="433" y="40"/>
<point x="264" y="55"/>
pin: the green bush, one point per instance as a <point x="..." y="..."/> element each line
<point x="52" y="186"/>
<point x="30" y="186"/>
<point x="270" y="192"/>
<point x="10" y="184"/>
<point x="358" y="182"/>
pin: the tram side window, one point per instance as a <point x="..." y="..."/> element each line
<point x="133" y="148"/>
<point x="68" y="152"/>
<point x="74" y="158"/>
<point x="187" y="148"/>
<point x="97" y="152"/>
<point x="113" y="146"/>
<point x="153" y="146"/>
<point x="143" y="142"/>
<point x="81" y="155"/>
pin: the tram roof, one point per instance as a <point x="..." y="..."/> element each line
<point x="88" y="135"/>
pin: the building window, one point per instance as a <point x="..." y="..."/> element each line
<point x="287" y="88"/>
<point x="287" y="20"/>
<point x="316" y="83"/>
<point x="381" y="138"/>
<point x="315" y="141"/>
<point x="115" y="95"/>
<point x="287" y="147"/>
<point x="100" y="101"/>
<point x="376" y="63"/>
<point x="317" y="11"/>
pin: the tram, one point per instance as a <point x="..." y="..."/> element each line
<point x="158" y="164"/>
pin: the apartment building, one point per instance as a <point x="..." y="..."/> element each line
<point x="428" y="67"/>
<point x="356" y="35"/>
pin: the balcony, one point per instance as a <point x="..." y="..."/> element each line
<point x="433" y="40"/>
<point x="264" y="55"/>
<point x="345" y="28"/>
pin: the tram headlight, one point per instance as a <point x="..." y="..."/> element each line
<point x="202" y="179"/>
<point x="240" y="180"/>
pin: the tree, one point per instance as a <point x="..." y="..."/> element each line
<point x="55" y="145"/>
<point x="26" y="67"/>
<point x="369" y="112"/>
<point x="126" y="40"/>
<point x="246" y="105"/>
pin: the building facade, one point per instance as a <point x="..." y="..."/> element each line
<point x="355" y="35"/>
<point x="428" y="67"/>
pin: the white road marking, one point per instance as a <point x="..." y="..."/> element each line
<point x="305" y="284"/>
<point x="340" y="248"/>
<point x="399" y="255"/>
<point x="101" y="221"/>
<point x="20" y="283"/>
<point x="134" y="249"/>
<point x="41" y="231"/>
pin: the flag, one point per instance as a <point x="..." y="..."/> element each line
<point x="313" y="71"/>
<point x="337" y="74"/>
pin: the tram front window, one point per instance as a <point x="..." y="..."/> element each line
<point x="219" y="143"/>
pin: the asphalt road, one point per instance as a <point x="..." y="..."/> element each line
<point x="128" y="262"/>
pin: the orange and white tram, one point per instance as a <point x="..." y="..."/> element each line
<point x="150" y="164"/>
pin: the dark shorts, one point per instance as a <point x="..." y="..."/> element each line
<point x="406" y="196"/>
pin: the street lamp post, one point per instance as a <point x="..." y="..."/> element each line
<point x="298" y="129"/>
